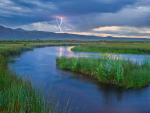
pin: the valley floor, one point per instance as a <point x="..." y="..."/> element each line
<point x="18" y="96"/>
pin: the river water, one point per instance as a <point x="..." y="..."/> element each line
<point x="72" y="93"/>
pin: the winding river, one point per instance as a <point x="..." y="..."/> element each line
<point x="71" y="93"/>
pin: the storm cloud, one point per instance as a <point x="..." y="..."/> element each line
<point x="80" y="15"/>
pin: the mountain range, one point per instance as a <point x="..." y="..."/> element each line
<point x="21" y="34"/>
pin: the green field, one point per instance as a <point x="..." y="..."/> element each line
<point x="115" y="47"/>
<point x="120" y="73"/>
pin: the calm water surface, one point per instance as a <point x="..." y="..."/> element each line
<point x="69" y="92"/>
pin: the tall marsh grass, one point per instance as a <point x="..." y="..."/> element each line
<point x="112" y="71"/>
<point x="16" y="95"/>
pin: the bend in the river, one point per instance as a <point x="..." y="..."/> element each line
<point x="73" y="94"/>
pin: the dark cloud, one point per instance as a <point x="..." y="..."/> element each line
<point x="45" y="8"/>
<point x="134" y="15"/>
<point x="77" y="7"/>
<point x="81" y="15"/>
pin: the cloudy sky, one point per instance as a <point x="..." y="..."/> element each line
<point x="119" y="18"/>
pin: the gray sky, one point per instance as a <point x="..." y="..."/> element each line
<point x="121" y="18"/>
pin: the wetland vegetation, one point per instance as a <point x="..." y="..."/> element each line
<point x="18" y="96"/>
<point x="115" y="47"/>
<point x="109" y="70"/>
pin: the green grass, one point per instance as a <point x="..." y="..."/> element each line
<point x="116" y="47"/>
<point x="106" y="70"/>
<point x="16" y="95"/>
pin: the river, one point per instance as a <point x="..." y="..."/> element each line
<point x="71" y="93"/>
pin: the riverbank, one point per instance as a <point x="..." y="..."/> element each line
<point x="16" y="95"/>
<point x="115" y="47"/>
<point x="120" y="73"/>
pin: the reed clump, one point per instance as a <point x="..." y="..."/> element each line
<point x="16" y="95"/>
<point x="110" y="70"/>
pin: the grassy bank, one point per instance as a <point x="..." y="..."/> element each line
<point x="116" y="47"/>
<point x="106" y="70"/>
<point x="16" y="96"/>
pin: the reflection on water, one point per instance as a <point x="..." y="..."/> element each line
<point x="66" y="51"/>
<point x="137" y="58"/>
<point x="71" y="93"/>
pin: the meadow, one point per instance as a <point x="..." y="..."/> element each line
<point x="115" y="47"/>
<point x="109" y="71"/>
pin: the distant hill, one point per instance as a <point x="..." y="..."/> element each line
<point x="20" y="34"/>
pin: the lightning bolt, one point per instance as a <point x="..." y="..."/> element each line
<point x="59" y="21"/>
